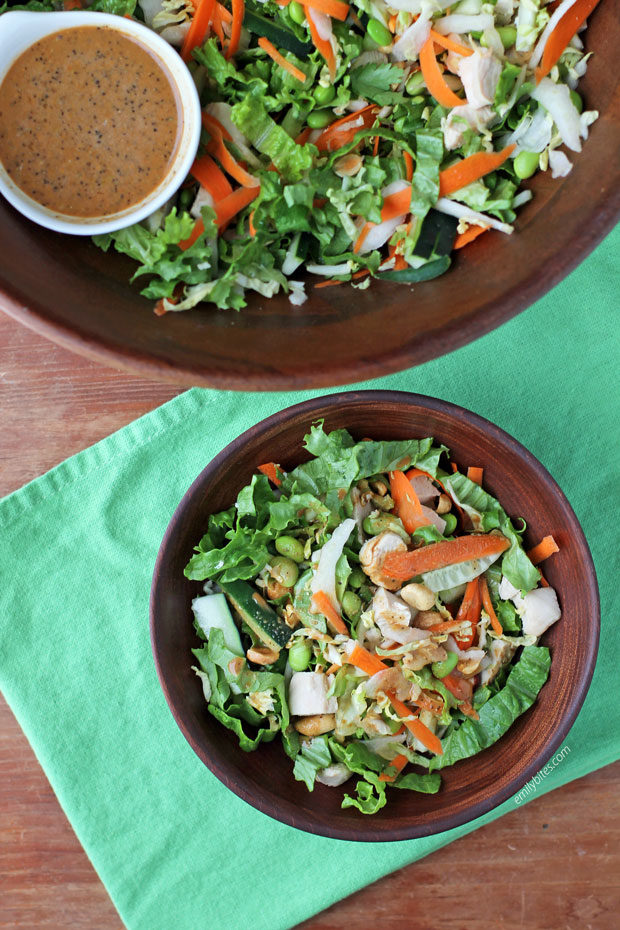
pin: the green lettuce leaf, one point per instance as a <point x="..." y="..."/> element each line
<point x="370" y="795"/>
<point x="525" y="679"/>
<point x="428" y="783"/>
<point x="231" y="722"/>
<point x="372" y="82"/>
<point x="314" y="755"/>
<point x="425" y="183"/>
<point x="291" y="160"/>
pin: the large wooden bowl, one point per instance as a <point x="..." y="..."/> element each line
<point x="68" y="290"/>
<point x="470" y="788"/>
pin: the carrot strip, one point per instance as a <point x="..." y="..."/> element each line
<point x="468" y="236"/>
<point x="331" y="282"/>
<point x="406" y="501"/>
<point x="471" y="169"/>
<point x="365" y="661"/>
<point x="224" y="14"/>
<point x="419" y="730"/>
<point x="468" y="710"/>
<point x="543" y="550"/>
<point x="323" y="46"/>
<point x="238" y="12"/>
<point x="322" y="601"/>
<point x="562" y="34"/>
<point x="474" y="473"/>
<point x="334" y="136"/>
<point x="73" y="5"/>
<point x="270" y="469"/>
<point x="333" y="8"/>
<point x="216" y="23"/>
<point x="272" y="51"/>
<point x="408" y="165"/>
<point x="433" y="78"/>
<point x="332" y="668"/>
<point x="446" y="626"/>
<point x="405" y="565"/>
<point x="488" y="606"/>
<point x="393" y="206"/>
<point x="303" y="136"/>
<point x="214" y="127"/>
<point x="217" y="147"/>
<point x="197" y="231"/>
<point x="450" y="44"/>
<point x="203" y="12"/>
<point x="210" y="177"/>
<point x="398" y="763"/>
<point x="469" y="610"/>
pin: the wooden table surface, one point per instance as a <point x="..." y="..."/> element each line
<point x="552" y="865"/>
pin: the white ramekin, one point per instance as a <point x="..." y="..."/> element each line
<point x="18" y="31"/>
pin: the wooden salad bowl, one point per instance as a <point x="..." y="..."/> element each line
<point x="470" y="788"/>
<point x="71" y="292"/>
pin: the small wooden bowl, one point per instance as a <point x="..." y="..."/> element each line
<point x="470" y="788"/>
<point x="71" y="292"/>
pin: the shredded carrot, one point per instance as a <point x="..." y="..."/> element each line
<point x="224" y="13"/>
<point x="469" y="610"/>
<point x="450" y="44"/>
<point x="73" y="5"/>
<point x="251" y="227"/>
<point x="331" y="282"/>
<point x="468" y="710"/>
<point x="203" y="12"/>
<point x="365" y="661"/>
<point x="418" y="473"/>
<point x="543" y="550"/>
<point x="392" y="23"/>
<point x="454" y="467"/>
<point x="159" y="309"/>
<point x="433" y="78"/>
<point x="270" y="469"/>
<point x="408" y="165"/>
<point x="303" y="136"/>
<point x="197" y="231"/>
<point x="216" y="23"/>
<point x="562" y="34"/>
<point x="279" y="59"/>
<point x="471" y="169"/>
<point x="393" y="206"/>
<point x="543" y="581"/>
<point x="333" y="8"/>
<point x="415" y="726"/>
<point x="214" y="127"/>
<point x="337" y="134"/>
<point x="468" y="236"/>
<point x="323" y="602"/>
<point x="475" y="473"/>
<point x="227" y="209"/>
<point x="218" y="148"/>
<point x="398" y="763"/>
<point x="488" y="606"/>
<point x="323" y="46"/>
<point x="406" y="502"/>
<point x="238" y="12"/>
<point x="405" y="565"/>
<point x="375" y="148"/>
<point x="332" y="669"/>
<point x="210" y="177"/>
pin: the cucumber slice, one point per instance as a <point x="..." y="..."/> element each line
<point x="212" y="612"/>
<point x="279" y="35"/>
<point x="257" y="614"/>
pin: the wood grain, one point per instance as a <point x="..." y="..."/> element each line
<point x="553" y="865"/>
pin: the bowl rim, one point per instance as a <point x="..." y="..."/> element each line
<point x="284" y="811"/>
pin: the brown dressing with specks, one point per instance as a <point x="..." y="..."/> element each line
<point x="90" y="121"/>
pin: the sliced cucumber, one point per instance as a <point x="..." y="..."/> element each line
<point x="212" y="612"/>
<point x="279" y="35"/>
<point x="258" y="615"/>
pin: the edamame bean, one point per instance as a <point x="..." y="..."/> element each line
<point x="290" y="547"/>
<point x="451" y="522"/>
<point x="415" y="83"/>
<point x="441" y="669"/>
<point x="357" y="578"/>
<point x="574" y="96"/>
<point x="508" y="35"/>
<point x="378" y="522"/>
<point x="378" y="32"/>
<point x="185" y="198"/>
<point x="299" y="655"/>
<point x="368" y="44"/>
<point x="525" y="164"/>
<point x="324" y="95"/>
<point x="319" y="119"/>
<point x="284" y="570"/>
<point x="351" y="603"/>
<point x="297" y="12"/>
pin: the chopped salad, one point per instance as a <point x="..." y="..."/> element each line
<point x="353" y="140"/>
<point x="375" y="610"/>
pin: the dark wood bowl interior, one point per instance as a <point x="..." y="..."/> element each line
<point x="470" y="788"/>
<point x="72" y="293"/>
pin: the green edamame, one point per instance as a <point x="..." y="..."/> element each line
<point x="185" y="198"/>
<point x="351" y="604"/>
<point x="441" y="669"/>
<point x="319" y="119"/>
<point x="285" y="571"/>
<point x="297" y="12"/>
<point x="574" y="96"/>
<point x="379" y="522"/>
<point x="357" y="578"/>
<point x="324" y="95"/>
<point x="378" y="32"/>
<point x="508" y="35"/>
<point x="290" y="547"/>
<point x="525" y="164"/>
<point x="299" y="655"/>
<point x="415" y="84"/>
<point x="451" y="522"/>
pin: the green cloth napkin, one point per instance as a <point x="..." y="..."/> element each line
<point x="175" y="848"/>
